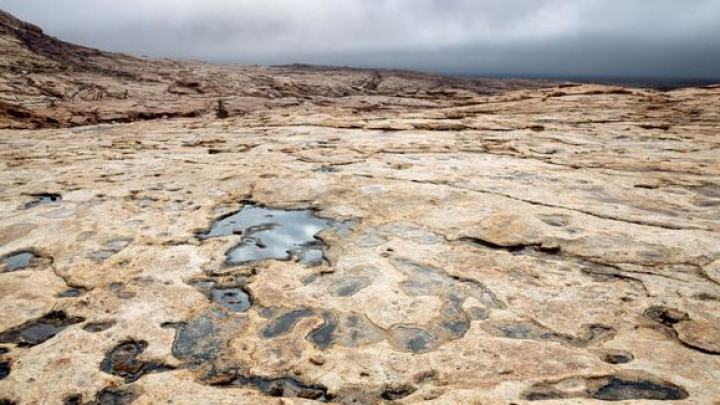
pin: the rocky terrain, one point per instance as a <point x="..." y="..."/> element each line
<point x="179" y="232"/>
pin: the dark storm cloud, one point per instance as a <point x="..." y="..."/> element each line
<point x="641" y="38"/>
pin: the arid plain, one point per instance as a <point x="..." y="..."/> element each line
<point x="180" y="232"/>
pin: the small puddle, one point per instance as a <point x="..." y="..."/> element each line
<point x="97" y="327"/>
<point x="18" y="261"/>
<point x="110" y="249"/>
<point x="4" y="369"/>
<point x="272" y="234"/>
<point x="43" y="198"/>
<point x="234" y="299"/>
<point x="71" y="293"/>
<point x="284" y="323"/>
<point x="40" y="330"/>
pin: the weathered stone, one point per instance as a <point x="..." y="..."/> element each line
<point x="474" y="240"/>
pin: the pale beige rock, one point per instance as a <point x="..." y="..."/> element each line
<point x="499" y="245"/>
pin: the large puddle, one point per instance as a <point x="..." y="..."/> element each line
<point x="275" y="234"/>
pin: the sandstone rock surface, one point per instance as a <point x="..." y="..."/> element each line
<point x="467" y="241"/>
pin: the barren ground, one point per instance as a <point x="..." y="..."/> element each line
<point x="450" y="241"/>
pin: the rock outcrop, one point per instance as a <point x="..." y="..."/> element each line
<point x="299" y="234"/>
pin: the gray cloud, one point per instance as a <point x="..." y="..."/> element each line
<point x="637" y="38"/>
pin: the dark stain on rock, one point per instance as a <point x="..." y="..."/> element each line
<point x="74" y="399"/>
<point x="623" y="387"/>
<point x="107" y="396"/>
<point x="347" y="330"/>
<point x="122" y="361"/>
<point x="100" y="326"/>
<point x="71" y="293"/>
<point x="202" y="340"/>
<point x="532" y="330"/>
<point x="395" y="393"/>
<point x="4" y="369"/>
<point x="349" y="286"/>
<point x="326" y="169"/>
<point x="284" y="323"/>
<point x="110" y="249"/>
<point x="43" y="198"/>
<point x="39" y="330"/>
<point x="478" y="313"/>
<point x="555" y="220"/>
<point x="285" y="387"/>
<point x="457" y="328"/>
<point x="5" y="401"/>
<point x="322" y="337"/>
<point x="617" y="357"/>
<point x="618" y="389"/>
<point x="413" y="339"/>
<point x="666" y="316"/>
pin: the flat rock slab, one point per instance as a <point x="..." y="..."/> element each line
<point x="520" y="248"/>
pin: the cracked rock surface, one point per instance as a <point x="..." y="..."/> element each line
<point x="554" y="245"/>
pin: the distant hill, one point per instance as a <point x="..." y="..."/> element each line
<point x="46" y="82"/>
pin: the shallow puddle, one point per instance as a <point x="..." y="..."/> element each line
<point x="43" y="198"/>
<point x="234" y="299"/>
<point x="18" y="261"/>
<point x="71" y="293"/>
<point x="275" y="234"/>
<point x="40" y="330"/>
<point x="349" y="286"/>
<point x="617" y="389"/>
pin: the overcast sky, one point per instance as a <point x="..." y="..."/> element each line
<point x="621" y="38"/>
